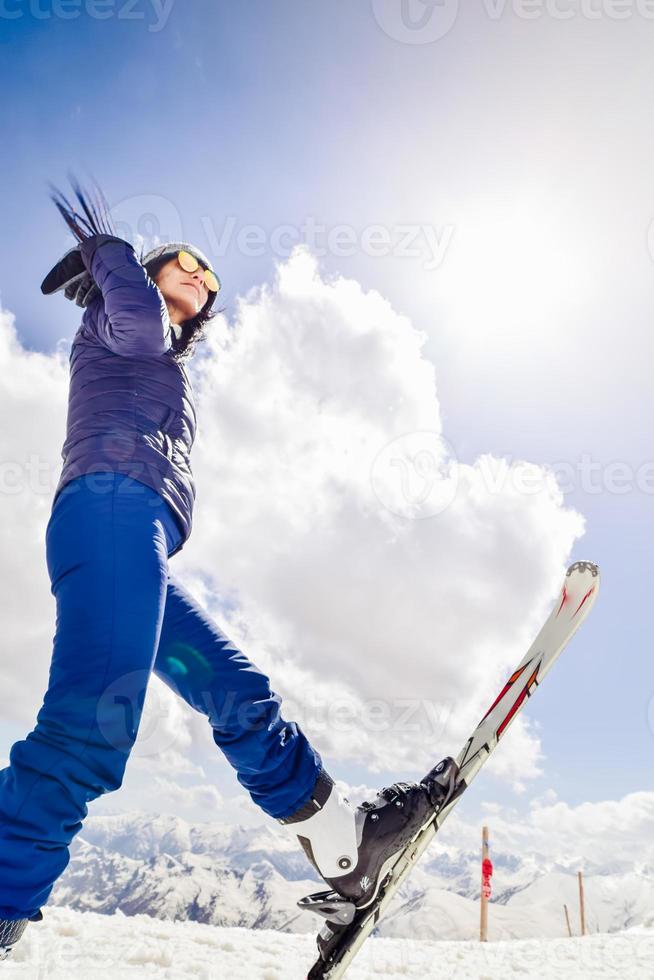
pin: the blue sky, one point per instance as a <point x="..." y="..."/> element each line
<point x="525" y="146"/>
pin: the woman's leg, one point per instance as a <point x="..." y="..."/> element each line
<point x="107" y="543"/>
<point x="272" y="757"/>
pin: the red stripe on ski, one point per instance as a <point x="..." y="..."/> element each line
<point x="509" y="684"/>
<point x="518" y="703"/>
<point x="563" y="598"/>
<point x="588" y="594"/>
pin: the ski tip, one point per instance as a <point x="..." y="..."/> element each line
<point x="584" y="566"/>
<point x="580" y="588"/>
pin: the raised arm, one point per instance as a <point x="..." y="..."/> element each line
<point x="131" y="317"/>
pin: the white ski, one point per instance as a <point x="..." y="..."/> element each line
<point x="578" y="594"/>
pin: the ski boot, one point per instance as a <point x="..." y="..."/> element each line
<point x="11" y="930"/>
<point x="354" y="850"/>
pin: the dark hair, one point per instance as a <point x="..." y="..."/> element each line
<point x="94" y="218"/>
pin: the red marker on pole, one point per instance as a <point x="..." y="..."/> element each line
<point x="486" y="875"/>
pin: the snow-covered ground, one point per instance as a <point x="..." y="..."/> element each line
<point x="69" y="945"/>
<point x="613" y="903"/>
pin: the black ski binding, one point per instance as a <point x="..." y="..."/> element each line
<point x="331" y="906"/>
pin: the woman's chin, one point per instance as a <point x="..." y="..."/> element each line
<point x="188" y="310"/>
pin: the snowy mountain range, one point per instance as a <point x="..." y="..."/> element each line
<point x="169" y="869"/>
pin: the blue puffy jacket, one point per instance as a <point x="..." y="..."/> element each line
<point x="130" y="403"/>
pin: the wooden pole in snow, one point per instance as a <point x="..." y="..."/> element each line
<point x="567" y="919"/>
<point x="483" y="926"/>
<point x="582" y="910"/>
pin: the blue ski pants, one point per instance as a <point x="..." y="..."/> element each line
<point x="119" y="616"/>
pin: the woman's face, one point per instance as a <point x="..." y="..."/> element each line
<point x="185" y="293"/>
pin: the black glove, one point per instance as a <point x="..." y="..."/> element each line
<point x="70" y="274"/>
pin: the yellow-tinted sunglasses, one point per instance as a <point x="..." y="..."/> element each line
<point x="189" y="263"/>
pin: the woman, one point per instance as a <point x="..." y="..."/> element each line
<point x="122" y="508"/>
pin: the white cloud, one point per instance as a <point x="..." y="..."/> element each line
<point x="618" y="830"/>
<point x="378" y="629"/>
<point x="33" y="409"/>
<point x="205" y="798"/>
<point x="386" y="634"/>
<point x="606" y="836"/>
